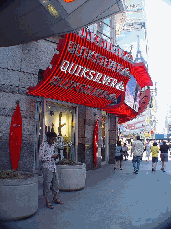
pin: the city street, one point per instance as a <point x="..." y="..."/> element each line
<point x="81" y="82"/>
<point x="110" y="200"/>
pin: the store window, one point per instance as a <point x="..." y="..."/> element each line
<point x="60" y="118"/>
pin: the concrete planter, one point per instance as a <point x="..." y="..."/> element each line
<point x="18" y="198"/>
<point x="71" y="177"/>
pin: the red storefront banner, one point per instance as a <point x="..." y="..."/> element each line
<point x="87" y="70"/>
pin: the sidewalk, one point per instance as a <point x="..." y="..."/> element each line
<point x="110" y="200"/>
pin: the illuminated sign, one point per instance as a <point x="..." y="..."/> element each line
<point x="86" y="70"/>
<point x="115" y="49"/>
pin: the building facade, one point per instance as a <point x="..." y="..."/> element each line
<point x="26" y="77"/>
<point x="21" y="67"/>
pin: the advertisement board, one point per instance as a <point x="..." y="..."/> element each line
<point x="132" y="94"/>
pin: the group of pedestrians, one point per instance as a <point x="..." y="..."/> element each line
<point x="137" y="151"/>
<point x="155" y="149"/>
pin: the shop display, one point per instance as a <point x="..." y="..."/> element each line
<point x="60" y="118"/>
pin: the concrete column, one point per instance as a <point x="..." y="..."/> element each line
<point x="113" y="136"/>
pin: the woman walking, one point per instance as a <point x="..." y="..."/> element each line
<point x="148" y="149"/>
<point x="118" y="155"/>
<point x="154" y="151"/>
<point x="125" y="151"/>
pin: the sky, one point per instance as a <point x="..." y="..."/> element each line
<point x="157" y="16"/>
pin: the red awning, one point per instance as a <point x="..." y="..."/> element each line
<point x="141" y="75"/>
<point x="75" y="77"/>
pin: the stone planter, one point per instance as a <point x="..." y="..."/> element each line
<point x="71" y="177"/>
<point x="18" y="198"/>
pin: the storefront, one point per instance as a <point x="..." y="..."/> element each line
<point x="85" y="75"/>
<point x="90" y="73"/>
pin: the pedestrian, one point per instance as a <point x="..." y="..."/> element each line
<point x="154" y="151"/>
<point x="50" y="176"/>
<point x="170" y="148"/>
<point x="118" y="155"/>
<point x="125" y="151"/>
<point x="164" y="155"/>
<point x="148" y="149"/>
<point x="137" y="151"/>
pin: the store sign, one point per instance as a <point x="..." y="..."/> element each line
<point x="115" y="49"/>
<point x="87" y="70"/>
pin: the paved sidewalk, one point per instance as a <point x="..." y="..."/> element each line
<point x="110" y="200"/>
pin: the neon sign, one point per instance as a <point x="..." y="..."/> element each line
<point x="115" y="49"/>
<point x="85" y="72"/>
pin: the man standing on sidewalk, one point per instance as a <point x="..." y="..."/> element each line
<point x="50" y="176"/>
<point x="137" y="150"/>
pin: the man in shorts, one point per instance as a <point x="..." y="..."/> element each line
<point x="164" y="155"/>
<point x="50" y="176"/>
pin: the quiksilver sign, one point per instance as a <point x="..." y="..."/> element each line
<point x="85" y="71"/>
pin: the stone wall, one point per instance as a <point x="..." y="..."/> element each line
<point x="86" y="124"/>
<point x="19" y="66"/>
<point x="81" y="133"/>
<point x="112" y="138"/>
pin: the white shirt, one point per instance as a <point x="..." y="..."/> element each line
<point x="45" y="153"/>
<point x="137" y="148"/>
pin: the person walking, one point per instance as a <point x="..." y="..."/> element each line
<point x="154" y="151"/>
<point x="137" y="151"/>
<point x="125" y="151"/>
<point x="50" y="176"/>
<point x="164" y="155"/>
<point x="148" y="149"/>
<point x="118" y="155"/>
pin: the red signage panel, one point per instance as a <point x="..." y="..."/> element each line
<point x="86" y="70"/>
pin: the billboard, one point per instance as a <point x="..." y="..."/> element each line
<point x="132" y="94"/>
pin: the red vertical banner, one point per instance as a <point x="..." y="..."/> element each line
<point x="15" y="137"/>
<point x="96" y="141"/>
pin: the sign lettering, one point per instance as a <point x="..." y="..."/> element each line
<point x="85" y="70"/>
